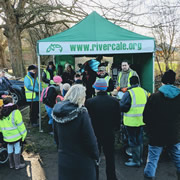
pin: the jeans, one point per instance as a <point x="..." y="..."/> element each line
<point x="49" y="112"/>
<point x="154" y="153"/>
<point x="135" y="136"/>
<point x="15" y="147"/>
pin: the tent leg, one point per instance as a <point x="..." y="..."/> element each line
<point x="39" y="75"/>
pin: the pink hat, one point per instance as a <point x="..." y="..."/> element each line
<point x="57" y="79"/>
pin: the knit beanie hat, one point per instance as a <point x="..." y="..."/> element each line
<point x="168" y="77"/>
<point x="32" y="67"/>
<point x="100" y="84"/>
<point x="57" y="79"/>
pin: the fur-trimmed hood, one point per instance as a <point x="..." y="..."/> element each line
<point x="66" y="111"/>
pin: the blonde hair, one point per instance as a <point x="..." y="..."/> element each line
<point x="76" y="94"/>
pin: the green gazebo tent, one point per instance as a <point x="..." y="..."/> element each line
<point x="95" y="35"/>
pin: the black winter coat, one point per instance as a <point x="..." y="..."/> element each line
<point x="52" y="93"/>
<point x="105" y="114"/>
<point x="162" y="118"/>
<point x="77" y="145"/>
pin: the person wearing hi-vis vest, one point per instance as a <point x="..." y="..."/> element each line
<point x="123" y="80"/>
<point x="132" y="104"/>
<point x="31" y="85"/>
<point x="103" y="74"/>
<point x="48" y="74"/>
<point x="13" y="130"/>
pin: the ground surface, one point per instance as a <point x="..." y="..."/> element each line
<point x="45" y="168"/>
<point x="41" y="160"/>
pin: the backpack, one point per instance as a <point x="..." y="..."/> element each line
<point x="60" y="97"/>
<point x="44" y="95"/>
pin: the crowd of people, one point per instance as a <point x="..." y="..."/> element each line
<point x="84" y="116"/>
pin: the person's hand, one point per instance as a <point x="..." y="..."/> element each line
<point x="124" y="90"/>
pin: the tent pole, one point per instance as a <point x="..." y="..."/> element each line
<point x="39" y="76"/>
<point x="154" y="56"/>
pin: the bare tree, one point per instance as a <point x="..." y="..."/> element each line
<point x="23" y="14"/>
<point x="3" y="46"/>
<point x="165" y="21"/>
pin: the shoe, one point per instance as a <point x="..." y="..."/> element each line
<point x="35" y="125"/>
<point x="18" y="164"/>
<point x="148" y="178"/>
<point x="131" y="159"/>
<point x="51" y="133"/>
<point x="132" y="164"/>
<point x="11" y="161"/>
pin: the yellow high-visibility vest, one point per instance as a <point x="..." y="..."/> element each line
<point x="12" y="127"/>
<point x="29" y="94"/>
<point x="134" y="117"/>
<point x="130" y="75"/>
<point x="44" y="85"/>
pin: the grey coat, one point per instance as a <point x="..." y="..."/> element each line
<point x="77" y="145"/>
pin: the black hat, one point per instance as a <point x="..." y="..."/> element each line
<point x="134" y="80"/>
<point x="169" y="77"/>
<point x="32" y="67"/>
<point x="50" y="63"/>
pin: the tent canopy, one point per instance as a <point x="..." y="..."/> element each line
<point x="95" y="35"/>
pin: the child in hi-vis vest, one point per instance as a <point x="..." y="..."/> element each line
<point x="13" y="130"/>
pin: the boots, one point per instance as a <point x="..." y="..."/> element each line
<point x="11" y="161"/>
<point x="135" y="158"/>
<point x="178" y="175"/>
<point x="17" y="162"/>
<point x="141" y="153"/>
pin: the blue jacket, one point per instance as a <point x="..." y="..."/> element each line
<point x="125" y="102"/>
<point x="27" y="84"/>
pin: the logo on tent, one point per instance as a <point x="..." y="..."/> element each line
<point x="52" y="47"/>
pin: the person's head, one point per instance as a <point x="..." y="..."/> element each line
<point x="2" y="73"/>
<point x="57" y="80"/>
<point x="169" y="77"/>
<point x="51" y="65"/>
<point x="125" y="66"/>
<point x="101" y="70"/>
<point x="100" y="85"/>
<point x="134" y="80"/>
<point x="77" y="76"/>
<point x="76" y="94"/>
<point x="32" y="68"/>
<point x="66" y="86"/>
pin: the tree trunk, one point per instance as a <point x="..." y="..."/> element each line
<point x="166" y="64"/>
<point x="2" y="57"/>
<point x="15" y="51"/>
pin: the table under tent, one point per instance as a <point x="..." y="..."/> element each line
<point x="95" y="35"/>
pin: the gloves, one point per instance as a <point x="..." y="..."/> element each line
<point x="124" y="90"/>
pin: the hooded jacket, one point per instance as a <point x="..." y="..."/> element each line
<point x="77" y="145"/>
<point x="162" y="116"/>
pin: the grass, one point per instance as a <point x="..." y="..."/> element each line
<point x="36" y="141"/>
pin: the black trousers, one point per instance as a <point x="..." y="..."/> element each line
<point x="34" y="112"/>
<point x="108" y="149"/>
